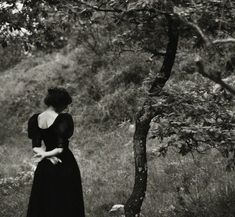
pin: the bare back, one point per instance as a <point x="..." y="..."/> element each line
<point x="46" y="119"/>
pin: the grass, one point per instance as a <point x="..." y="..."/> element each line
<point x="177" y="186"/>
<point x="102" y="165"/>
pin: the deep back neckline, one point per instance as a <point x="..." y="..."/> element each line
<point x="50" y="125"/>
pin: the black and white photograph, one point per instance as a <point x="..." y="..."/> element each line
<point x="117" y="108"/>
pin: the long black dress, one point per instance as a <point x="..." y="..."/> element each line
<point x="56" y="189"/>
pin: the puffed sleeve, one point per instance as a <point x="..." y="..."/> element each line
<point x="65" y="130"/>
<point x="33" y="132"/>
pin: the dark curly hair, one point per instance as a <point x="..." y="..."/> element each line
<point x="58" y="98"/>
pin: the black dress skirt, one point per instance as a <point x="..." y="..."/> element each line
<point x="56" y="189"/>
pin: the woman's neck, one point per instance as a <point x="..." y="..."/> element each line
<point x="50" y="108"/>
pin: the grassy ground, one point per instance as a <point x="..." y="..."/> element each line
<point x="177" y="186"/>
<point x="105" y="163"/>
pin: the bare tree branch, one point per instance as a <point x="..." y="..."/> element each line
<point x="223" y="41"/>
<point x="214" y="77"/>
<point x="205" y="38"/>
<point x="200" y="32"/>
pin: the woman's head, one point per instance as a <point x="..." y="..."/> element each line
<point x="58" y="98"/>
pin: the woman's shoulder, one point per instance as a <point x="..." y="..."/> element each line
<point x="64" y="119"/>
<point x="33" y="117"/>
<point x="32" y="121"/>
<point x="64" y="124"/>
<point x="32" y="125"/>
<point x="66" y="116"/>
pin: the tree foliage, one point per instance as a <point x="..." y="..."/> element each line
<point x="195" y="119"/>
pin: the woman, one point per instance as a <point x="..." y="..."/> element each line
<point x="56" y="189"/>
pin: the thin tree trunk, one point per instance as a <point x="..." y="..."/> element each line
<point x="143" y="119"/>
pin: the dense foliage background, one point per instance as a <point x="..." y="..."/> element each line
<point x="107" y="56"/>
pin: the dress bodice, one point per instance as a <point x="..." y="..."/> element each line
<point x="57" y="135"/>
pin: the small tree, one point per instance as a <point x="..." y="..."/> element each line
<point x="148" y="22"/>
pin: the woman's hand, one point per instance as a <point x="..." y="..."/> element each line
<point x="54" y="160"/>
<point x="40" y="156"/>
<point x="37" y="150"/>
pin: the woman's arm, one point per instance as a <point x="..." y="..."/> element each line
<point x="53" y="152"/>
<point x="41" y="154"/>
<point x="38" y="150"/>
